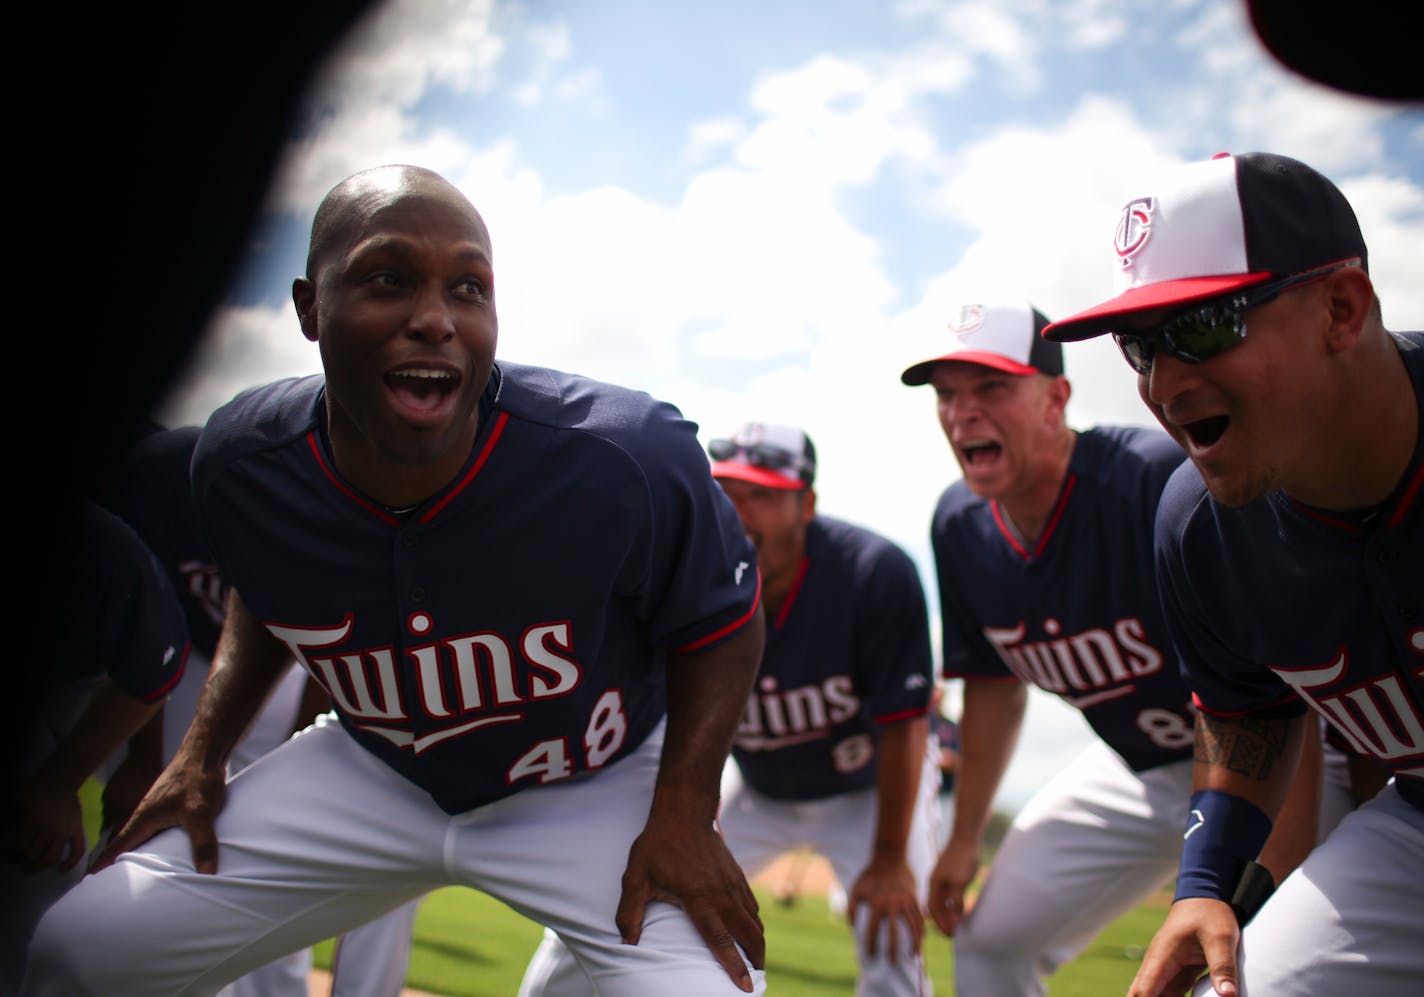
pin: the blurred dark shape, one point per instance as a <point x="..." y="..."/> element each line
<point x="144" y="139"/>
<point x="1364" y="48"/>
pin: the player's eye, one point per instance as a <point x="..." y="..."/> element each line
<point x="473" y="287"/>
<point x="384" y="279"/>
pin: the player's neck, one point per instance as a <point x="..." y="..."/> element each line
<point x="1366" y="441"/>
<point x="1027" y="509"/>
<point x="780" y="584"/>
<point x="395" y="484"/>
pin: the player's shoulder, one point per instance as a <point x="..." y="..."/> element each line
<point x="1191" y="529"/>
<point x="957" y="501"/>
<point x="1125" y="466"/>
<point x="259" y="419"/>
<point x="585" y="409"/>
<point x="164" y="449"/>
<point x="852" y="542"/>
<point x="1130" y="448"/>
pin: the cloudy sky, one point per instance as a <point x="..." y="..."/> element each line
<point x="765" y="209"/>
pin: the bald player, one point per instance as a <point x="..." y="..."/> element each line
<point x="535" y="613"/>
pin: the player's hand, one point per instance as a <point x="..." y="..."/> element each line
<point x="186" y="795"/>
<point x="48" y="828"/>
<point x="687" y="864"/>
<point x="957" y="866"/>
<point x="1198" y="935"/>
<point x="886" y="889"/>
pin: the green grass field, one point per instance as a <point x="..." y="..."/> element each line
<point x="467" y="945"/>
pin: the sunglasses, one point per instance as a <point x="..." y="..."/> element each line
<point x="760" y="455"/>
<point x="1200" y="333"/>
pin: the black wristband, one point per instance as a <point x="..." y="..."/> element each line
<point x="1253" y="889"/>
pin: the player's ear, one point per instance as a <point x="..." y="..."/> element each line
<point x="304" y="297"/>
<point x="1059" y="391"/>
<point x="1350" y="297"/>
<point x="808" y="505"/>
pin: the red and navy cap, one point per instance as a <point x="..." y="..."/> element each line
<point x="1210" y="228"/>
<point x="1006" y="337"/>
<point x="765" y="454"/>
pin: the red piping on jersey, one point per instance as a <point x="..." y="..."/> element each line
<point x="894" y="718"/>
<point x="1053" y="519"/>
<point x="1244" y="713"/>
<point x="341" y="485"/>
<point x="1327" y="519"/>
<point x="785" y="610"/>
<point x="1395" y="518"/>
<point x="499" y="425"/>
<point x="1407" y="499"/>
<point x="736" y="624"/>
<point x="168" y="686"/>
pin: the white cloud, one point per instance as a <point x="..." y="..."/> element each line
<point x="243" y="347"/>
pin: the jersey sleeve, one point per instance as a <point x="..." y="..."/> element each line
<point x="967" y="654"/>
<point x="1189" y="560"/>
<point x="155" y="497"/>
<point x="898" y="667"/>
<point x="700" y="583"/>
<point x="128" y="622"/>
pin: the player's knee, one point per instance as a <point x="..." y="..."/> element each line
<point x="63" y="953"/>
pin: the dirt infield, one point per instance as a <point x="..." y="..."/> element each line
<point x="793" y="874"/>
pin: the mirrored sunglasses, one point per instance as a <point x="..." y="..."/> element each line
<point x="762" y="455"/>
<point x="1206" y="330"/>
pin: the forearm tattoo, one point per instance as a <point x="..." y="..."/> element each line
<point x="1248" y="746"/>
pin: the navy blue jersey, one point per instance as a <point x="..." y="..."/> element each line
<point x="513" y="629"/>
<point x="848" y="651"/>
<point x="1079" y="615"/>
<point x="1277" y="606"/>
<point x="154" y="495"/>
<point x="126" y="620"/>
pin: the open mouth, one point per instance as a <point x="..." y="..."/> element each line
<point x="976" y="453"/>
<point x="422" y="388"/>
<point x="1205" y="432"/>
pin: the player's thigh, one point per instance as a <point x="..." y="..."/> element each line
<point x="557" y="855"/>
<point x="756" y="828"/>
<point x="1346" y="921"/>
<point x="299" y="860"/>
<point x="1089" y="846"/>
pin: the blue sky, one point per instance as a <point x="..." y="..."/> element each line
<point x="766" y="210"/>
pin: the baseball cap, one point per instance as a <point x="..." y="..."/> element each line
<point x="764" y="453"/>
<point x="1210" y="228"/>
<point x="1007" y="337"/>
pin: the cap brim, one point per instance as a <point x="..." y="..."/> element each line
<point x="1101" y="319"/>
<point x="920" y="372"/>
<point x="756" y="475"/>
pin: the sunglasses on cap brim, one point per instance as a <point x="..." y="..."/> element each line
<point x="762" y="455"/>
<point x="1206" y="330"/>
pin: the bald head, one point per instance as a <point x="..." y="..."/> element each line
<point x="350" y="206"/>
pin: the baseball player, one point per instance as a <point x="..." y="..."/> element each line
<point x="1044" y="559"/>
<point x="537" y="618"/>
<point x="1290" y="555"/>
<point x="154" y="495"/>
<point x="831" y="750"/>
<point x="104" y="679"/>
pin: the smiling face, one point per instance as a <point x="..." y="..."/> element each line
<point x="1006" y="430"/>
<point x="400" y="299"/>
<point x="1247" y="417"/>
